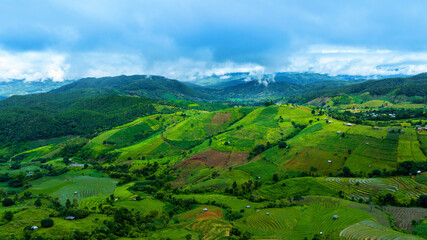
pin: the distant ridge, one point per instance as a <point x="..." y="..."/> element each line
<point x="140" y="85"/>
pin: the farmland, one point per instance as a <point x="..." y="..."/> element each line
<point x="267" y="172"/>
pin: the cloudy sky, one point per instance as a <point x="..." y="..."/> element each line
<point x="185" y="40"/>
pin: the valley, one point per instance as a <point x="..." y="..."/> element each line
<point x="125" y="166"/>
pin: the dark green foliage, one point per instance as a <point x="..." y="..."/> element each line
<point x="232" y="215"/>
<point x="8" y="202"/>
<point x="38" y="202"/>
<point x="282" y="144"/>
<point x="47" y="223"/>
<point x="8" y="215"/>
<point x="275" y="177"/>
<point x="422" y="201"/>
<point x="409" y="167"/>
<point x="49" y="115"/>
<point x="345" y="172"/>
<point x="69" y="151"/>
<point x="184" y="144"/>
<point x="409" y="86"/>
<point x="77" y="213"/>
<point x="257" y="150"/>
<point x="386" y="199"/>
<point x="140" y="85"/>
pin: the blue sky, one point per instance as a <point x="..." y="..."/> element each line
<point x="190" y="39"/>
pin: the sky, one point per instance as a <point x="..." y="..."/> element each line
<point x="187" y="40"/>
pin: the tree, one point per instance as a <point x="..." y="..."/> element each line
<point x="75" y="203"/>
<point x="8" y="215"/>
<point x="8" y="202"/>
<point x="46" y="223"/>
<point x="282" y="144"/>
<point x="346" y="172"/>
<point x="68" y="203"/>
<point x="422" y="201"/>
<point x="188" y="237"/>
<point x="235" y="232"/>
<point x="38" y="202"/>
<point x="275" y="177"/>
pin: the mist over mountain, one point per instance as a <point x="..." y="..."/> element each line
<point x="23" y="87"/>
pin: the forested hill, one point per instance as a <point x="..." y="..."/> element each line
<point x="412" y="88"/>
<point x="157" y="87"/>
<point x="48" y="115"/>
<point x="254" y="91"/>
<point x="409" y="86"/>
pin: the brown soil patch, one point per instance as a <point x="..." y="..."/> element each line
<point x="213" y="158"/>
<point x="215" y="213"/>
<point x="221" y="117"/>
<point x="238" y="158"/>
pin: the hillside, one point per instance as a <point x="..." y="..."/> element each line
<point x="259" y="172"/>
<point x="127" y="166"/>
<point x="137" y="85"/>
<point x="254" y="91"/>
<point x="402" y="89"/>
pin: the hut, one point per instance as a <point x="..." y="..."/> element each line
<point x="34" y="227"/>
<point x="267" y="213"/>
<point x="205" y="209"/>
<point x="335" y="217"/>
<point x="70" y="218"/>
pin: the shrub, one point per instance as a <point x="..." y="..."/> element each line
<point x="8" y="202"/>
<point x="47" y="223"/>
<point x="8" y="215"/>
<point x="282" y="144"/>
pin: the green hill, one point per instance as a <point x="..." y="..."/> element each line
<point x="401" y="89"/>
<point x="138" y="85"/>
<point x="130" y="167"/>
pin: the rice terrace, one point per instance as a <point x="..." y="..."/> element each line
<point x="239" y="120"/>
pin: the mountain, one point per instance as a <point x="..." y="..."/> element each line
<point x="157" y="87"/>
<point x="22" y="87"/>
<point x="122" y="165"/>
<point x="399" y="89"/>
<point x="232" y="79"/>
<point x="254" y="91"/>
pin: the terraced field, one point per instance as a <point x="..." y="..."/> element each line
<point x="144" y="206"/>
<point x="363" y="188"/>
<point x="79" y="187"/>
<point x="301" y="221"/>
<point x="296" y="187"/>
<point x="209" y="223"/>
<point x="404" y="216"/>
<point x="278" y="220"/>
<point x="372" y="230"/>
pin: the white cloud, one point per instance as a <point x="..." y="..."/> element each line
<point x="32" y="66"/>
<point x="328" y="59"/>
<point x="335" y="60"/>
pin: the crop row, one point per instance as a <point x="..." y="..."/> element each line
<point x="372" y="230"/>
